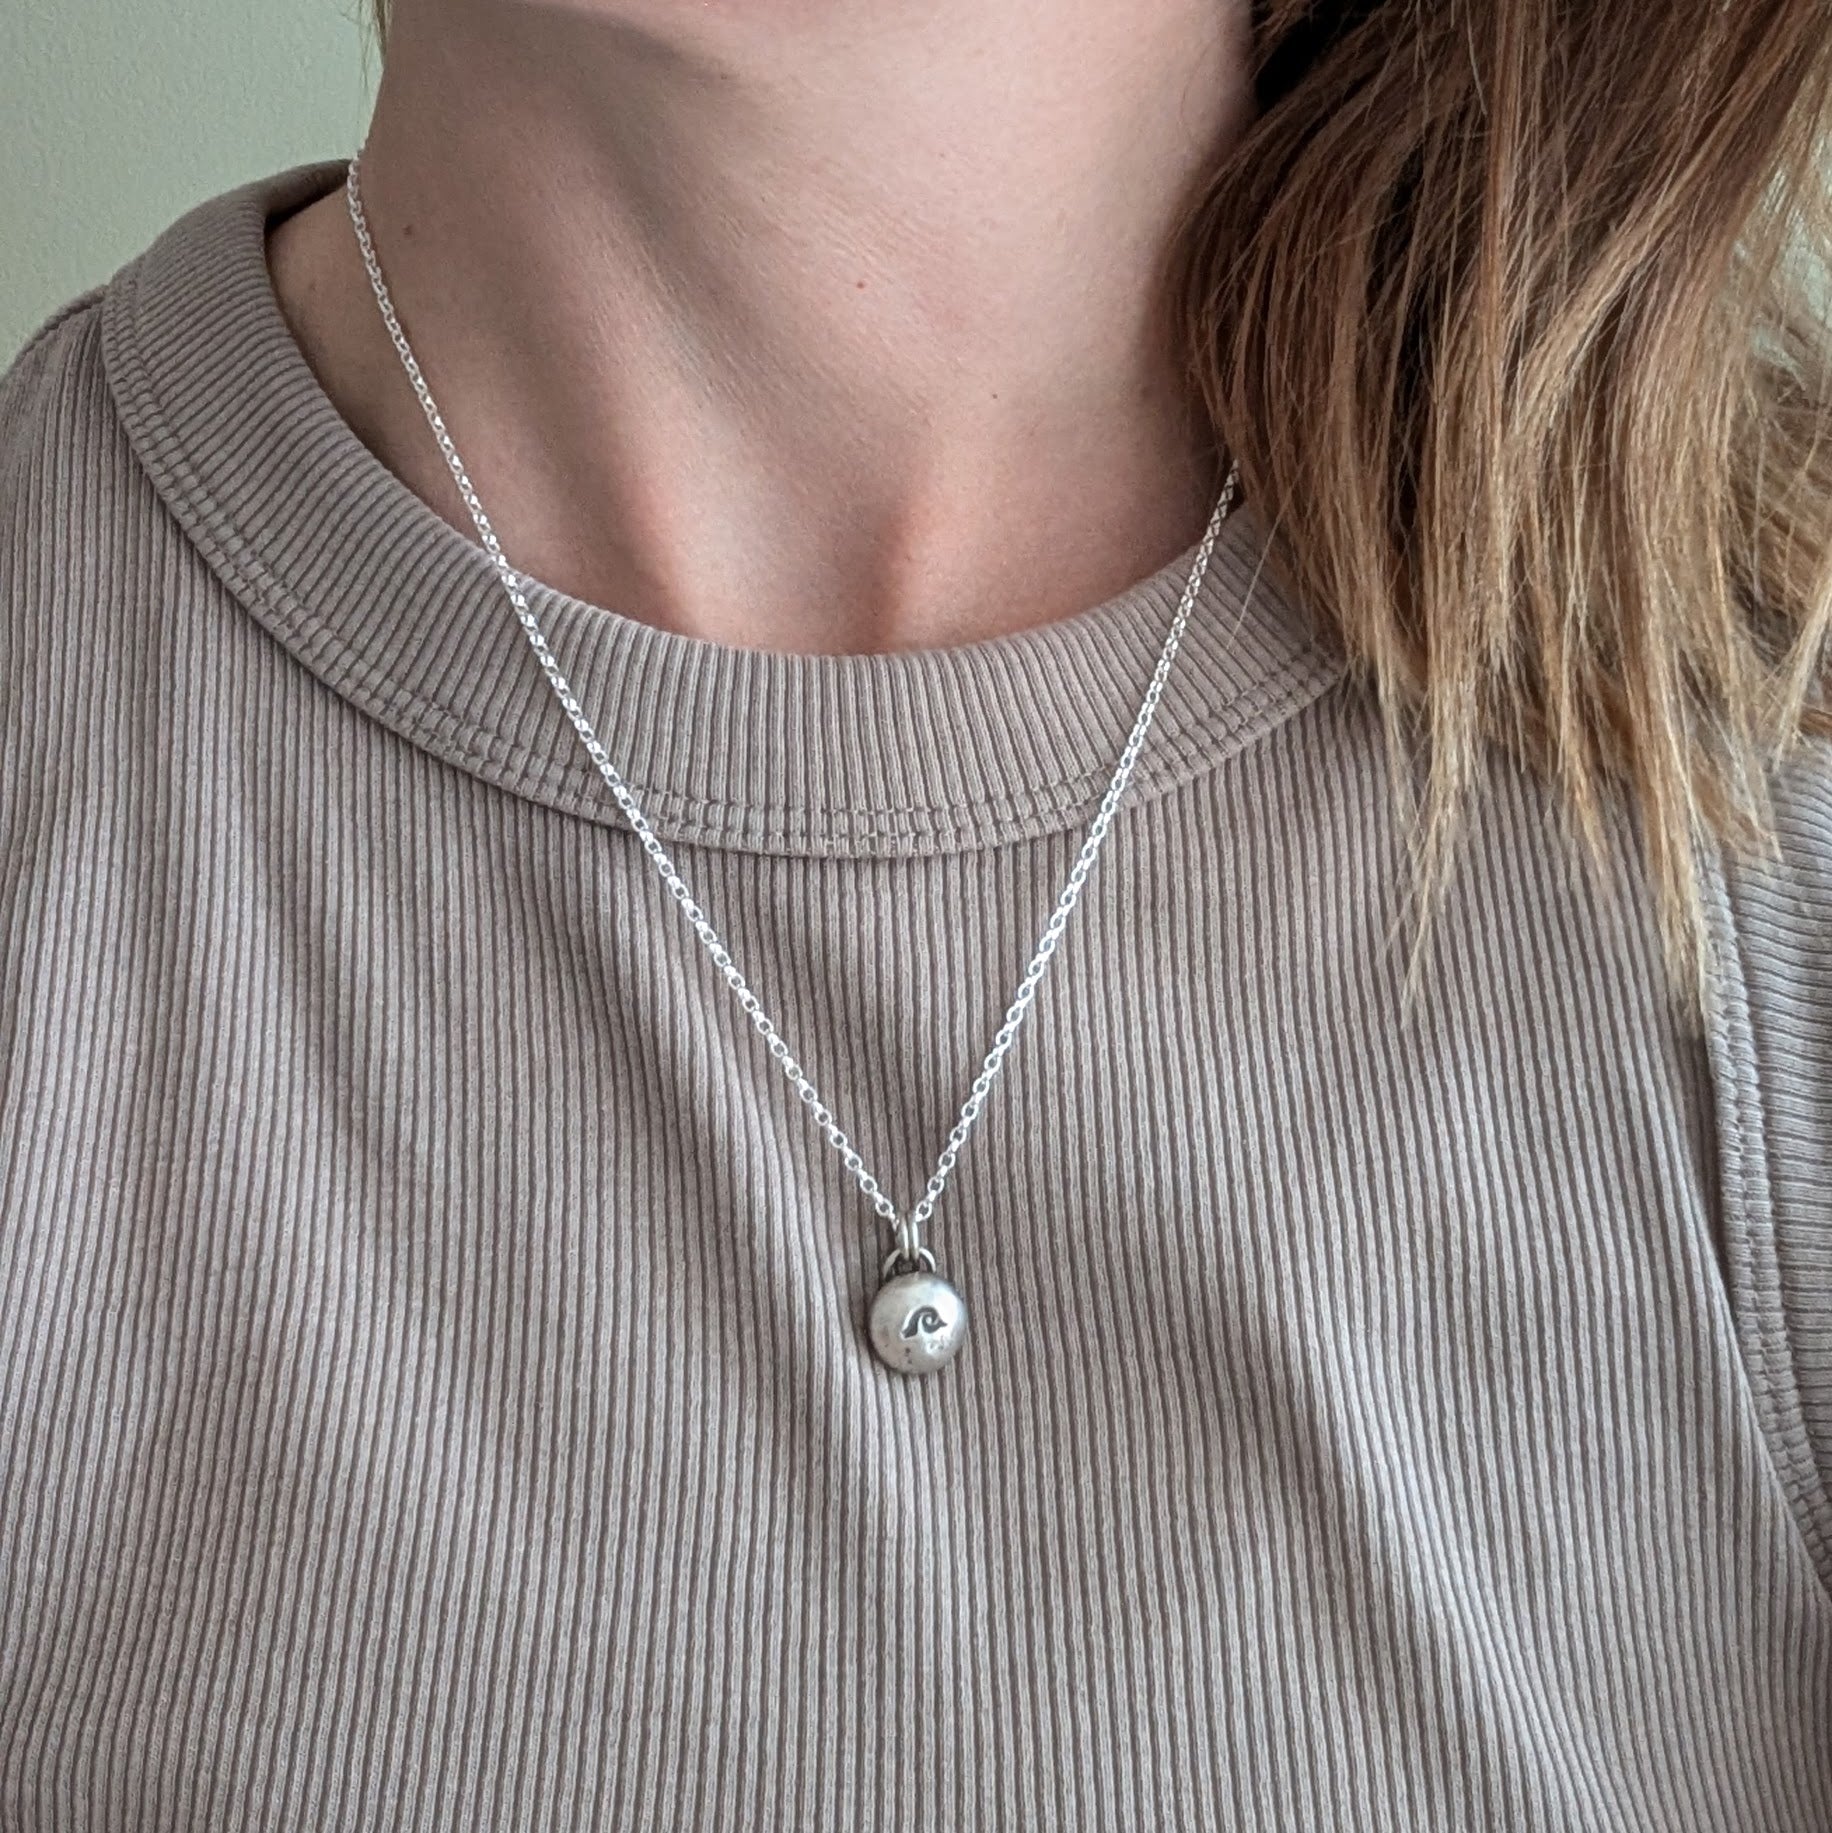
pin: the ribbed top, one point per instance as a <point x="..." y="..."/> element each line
<point x="434" y="1390"/>
<point x="384" y="600"/>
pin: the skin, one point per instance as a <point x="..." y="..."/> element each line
<point x="790" y="324"/>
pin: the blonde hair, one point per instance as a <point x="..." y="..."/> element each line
<point x="1513" y="315"/>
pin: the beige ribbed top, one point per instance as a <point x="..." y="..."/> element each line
<point x="433" y="1390"/>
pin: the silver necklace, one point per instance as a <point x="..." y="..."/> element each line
<point x="918" y="1319"/>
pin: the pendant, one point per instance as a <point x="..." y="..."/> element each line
<point x="918" y="1320"/>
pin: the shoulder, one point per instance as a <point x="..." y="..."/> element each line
<point x="1803" y="807"/>
<point x="1771" y="1043"/>
<point x="65" y="472"/>
<point x="1776" y="899"/>
<point x="99" y="580"/>
<point x="1776" y="910"/>
<point x="80" y="524"/>
<point x="100" y="407"/>
<point x="50" y="394"/>
<point x="71" y="487"/>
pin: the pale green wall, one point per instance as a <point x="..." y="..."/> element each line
<point x="116" y="116"/>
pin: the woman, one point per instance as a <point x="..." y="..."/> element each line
<point x="1286" y="558"/>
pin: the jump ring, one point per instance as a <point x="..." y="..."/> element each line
<point x="924" y="1259"/>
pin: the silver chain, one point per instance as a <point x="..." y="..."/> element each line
<point x="909" y="1248"/>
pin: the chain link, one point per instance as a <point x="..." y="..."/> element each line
<point x="909" y="1249"/>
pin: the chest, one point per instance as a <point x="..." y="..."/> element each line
<point x="436" y="1379"/>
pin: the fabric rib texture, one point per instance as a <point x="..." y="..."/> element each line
<point x="433" y="1384"/>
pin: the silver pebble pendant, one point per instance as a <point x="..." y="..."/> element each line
<point x="918" y="1320"/>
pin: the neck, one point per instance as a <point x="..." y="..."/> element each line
<point x="785" y="330"/>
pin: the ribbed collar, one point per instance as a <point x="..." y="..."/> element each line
<point x="402" y="614"/>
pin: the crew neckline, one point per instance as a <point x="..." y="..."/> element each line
<point x="929" y="750"/>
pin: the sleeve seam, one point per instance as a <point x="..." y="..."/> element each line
<point x="1757" y="1301"/>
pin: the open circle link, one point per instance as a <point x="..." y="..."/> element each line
<point x="896" y="1261"/>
